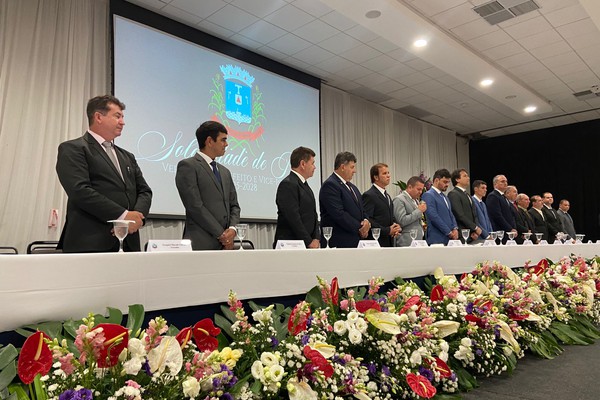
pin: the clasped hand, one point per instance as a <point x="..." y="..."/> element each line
<point x="365" y="225"/>
<point x="226" y="238"/>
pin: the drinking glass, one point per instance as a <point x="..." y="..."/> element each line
<point x="527" y="235"/>
<point x="241" y="229"/>
<point x="494" y="236"/>
<point x="511" y="235"/>
<point x="327" y="232"/>
<point x="500" y="236"/>
<point x="376" y="232"/>
<point x="465" y="234"/>
<point x="538" y="236"/>
<point x="413" y="234"/>
<point x="579" y="238"/>
<point x="121" y="229"/>
<point x="559" y="237"/>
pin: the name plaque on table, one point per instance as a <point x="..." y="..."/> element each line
<point x="419" y="243"/>
<point x="368" y="244"/>
<point x="543" y="242"/>
<point x="454" y="243"/>
<point x="290" y="245"/>
<point x="489" y="242"/>
<point x="155" y="245"/>
<point x="511" y="243"/>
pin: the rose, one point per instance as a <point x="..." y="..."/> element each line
<point x="191" y="387"/>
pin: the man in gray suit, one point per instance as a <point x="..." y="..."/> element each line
<point x="408" y="211"/>
<point x="565" y="217"/>
<point x="208" y="192"/>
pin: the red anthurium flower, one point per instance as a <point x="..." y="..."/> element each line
<point x="298" y="318"/>
<point x="335" y="298"/>
<point x="472" y="318"/>
<point x="484" y="306"/>
<point x="364" y="305"/>
<point x="463" y="276"/>
<point x="318" y="361"/>
<point x="413" y="300"/>
<point x="540" y="267"/>
<point x="205" y="333"/>
<point x="116" y="338"/>
<point x="437" y="293"/>
<point x="420" y="385"/>
<point x="184" y="335"/>
<point x="598" y="286"/>
<point x="35" y="358"/>
<point x="441" y="367"/>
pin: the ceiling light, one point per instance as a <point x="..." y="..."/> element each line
<point x="486" y="82"/>
<point x="510" y="97"/>
<point x="373" y="14"/>
<point x="420" y="43"/>
<point x="530" y="109"/>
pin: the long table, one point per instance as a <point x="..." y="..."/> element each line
<point x="36" y="288"/>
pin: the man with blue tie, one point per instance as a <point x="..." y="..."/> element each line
<point x="480" y="190"/>
<point x="341" y="205"/>
<point x="441" y="224"/>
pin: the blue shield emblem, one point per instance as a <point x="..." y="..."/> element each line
<point x="238" y="93"/>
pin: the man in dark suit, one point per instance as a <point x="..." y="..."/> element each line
<point x="480" y="190"/>
<point x="554" y="224"/>
<point x="441" y="224"/>
<point x="379" y="207"/>
<point x="103" y="182"/>
<point x="462" y="205"/>
<point x="499" y="208"/>
<point x="341" y="205"/>
<point x="296" y="208"/>
<point x="525" y="217"/>
<point x="539" y="219"/>
<point x="208" y="192"/>
<point x="565" y="217"/>
<point x="511" y="195"/>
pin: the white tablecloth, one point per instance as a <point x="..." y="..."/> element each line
<point x="36" y="288"/>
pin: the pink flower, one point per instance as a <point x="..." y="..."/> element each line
<point x="66" y="363"/>
<point x="344" y="305"/>
<point x="133" y="384"/>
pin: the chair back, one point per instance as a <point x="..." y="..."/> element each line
<point x="247" y="244"/>
<point x="43" y="247"/>
<point x="8" y="250"/>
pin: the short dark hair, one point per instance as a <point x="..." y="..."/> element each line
<point x="100" y="104"/>
<point x="343" y="158"/>
<point x="209" y="128"/>
<point x="441" y="173"/>
<point x="535" y="197"/>
<point x="300" y="154"/>
<point x="413" y="180"/>
<point x="375" y="170"/>
<point x="455" y="176"/>
<point x="478" y="182"/>
<point x="564" y="201"/>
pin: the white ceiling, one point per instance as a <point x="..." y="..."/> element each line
<point x="544" y="56"/>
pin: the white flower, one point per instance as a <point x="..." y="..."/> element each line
<point x="257" y="371"/>
<point x="446" y="328"/>
<point x="339" y="327"/>
<point x="136" y="348"/>
<point x="361" y="325"/>
<point x="276" y="373"/>
<point x="444" y="345"/>
<point x="300" y="390"/>
<point x="263" y="316"/>
<point x="325" y="349"/>
<point x="415" y="358"/>
<point x="443" y="356"/>
<point x="166" y="355"/>
<point x="354" y="336"/>
<point x="268" y="359"/>
<point x="465" y="342"/>
<point x="191" y="387"/>
<point x="361" y="396"/>
<point x="133" y="366"/>
<point x="452" y="308"/>
<point x="352" y="317"/>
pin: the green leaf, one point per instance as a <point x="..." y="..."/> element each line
<point x="71" y="327"/>
<point x="256" y="387"/>
<point x="224" y="324"/>
<point x="115" y="316"/>
<point x="17" y="389"/>
<point x="172" y="331"/>
<point x="315" y="299"/>
<point x="50" y="328"/>
<point x="7" y="375"/>
<point x="38" y="387"/>
<point x="135" y="318"/>
<point x="446" y="396"/>
<point x="7" y="354"/>
<point x="466" y="381"/>
<point x="230" y="315"/>
<point x="223" y="341"/>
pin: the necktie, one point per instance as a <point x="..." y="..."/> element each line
<point x="213" y="164"/>
<point x="351" y="191"/>
<point x="445" y="200"/>
<point x="308" y="188"/>
<point x="387" y="196"/>
<point x="108" y="146"/>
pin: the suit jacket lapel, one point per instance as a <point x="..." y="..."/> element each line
<point x="93" y="143"/>
<point x="204" y="165"/>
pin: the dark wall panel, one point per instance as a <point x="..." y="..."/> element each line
<point x="563" y="160"/>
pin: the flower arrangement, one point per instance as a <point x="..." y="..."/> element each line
<point x="363" y="343"/>
<point x="428" y="183"/>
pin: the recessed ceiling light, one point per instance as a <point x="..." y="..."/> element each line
<point x="373" y="14"/>
<point x="420" y="43"/>
<point x="486" y="82"/>
<point x="510" y="97"/>
<point x="530" y="109"/>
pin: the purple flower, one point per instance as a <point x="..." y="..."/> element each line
<point x="305" y="340"/>
<point x="309" y="321"/>
<point x="469" y="308"/>
<point x="372" y="368"/>
<point x="386" y="371"/>
<point x="274" y="342"/>
<point x="226" y="396"/>
<point x="479" y="352"/>
<point x="146" y="367"/>
<point x="427" y="373"/>
<point x="453" y="377"/>
<point x="81" y="394"/>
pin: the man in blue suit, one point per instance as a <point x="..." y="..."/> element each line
<point x="441" y="224"/>
<point x="499" y="207"/>
<point x="480" y="190"/>
<point x="341" y="205"/>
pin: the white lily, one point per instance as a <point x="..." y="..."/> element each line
<point x="325" y="349"/>
<point x="166" y="355"/>
<point x="507" y="335"/>
<point x="446" y="328"/>
<point x="384" y="321"/>
<point x="300" y="390"/>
